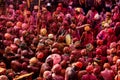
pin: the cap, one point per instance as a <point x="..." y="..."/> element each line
<point x="78" y="9"/>
<point x="43" y="31"/>
<point x="79" y="64"/>
<point x="87" y="28"/>
<point x="28" y="12"/>
<point x="50" y="36"/>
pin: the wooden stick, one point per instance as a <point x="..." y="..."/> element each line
<point x="78" y="27"/>
<point x="38" y="20"/>
<point x="23" y="76"/>
<point x="39" y="1"/>
<point x="28" y="3"/>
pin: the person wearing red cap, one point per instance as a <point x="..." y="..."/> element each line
<point x="78" y="65"/>
<point x="111" y="36"/>
<point x="90" y="75"/>
<point x="102" y="46"/>
<point x="99" y="57"/>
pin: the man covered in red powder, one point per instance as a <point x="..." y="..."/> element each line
<point x="107" y="74"/>
<point x="87" y="36"/>
<point x="90" y="75"/>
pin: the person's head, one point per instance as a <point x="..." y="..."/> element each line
<point x="83" y="52"/>
<point x="77" y="65"/>
<point x="56" y="69"/>
<point x="96" y="71"/>
<point x="3" y="77"/>
<point x="93" y="8"/>
<point x="28" y="13"/>
<point x="9" y="24"/>
<point x="117" y="24"/>
<point x="21" y="7"/>
<point x="108" y="15"/>
<point x="98" y="51"/>
<point x="116" y="8"/>
<point x="11" y="6"/>
<point x="89" y="68"/>
<point x="64" y="64"/>
<point x="73" y="26"/>
<point x="110" y="31"/>
<point x="47" y="75"/>
<point x="115" y="58"/>
<point x="49" y="61"/>
<point x="118" y="62"/>
<point x="87" y="28"/>
<point x="106" y="66"/>
<point x="60" y="5"/>
<point x="103" y="10"/>
<point x="36" y="8"/>
<point x="77" y="10"/>
<point x="99" y="1"/>
<point x="119" y="72"/>
<point x="44" y="9"/>
<point x="99" y="42"/>
<point x="113" y="45"/>
<point x="10" y="11"/>
<point x="58" y="9"/>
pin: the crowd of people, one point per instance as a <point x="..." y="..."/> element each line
<point x="68" y="41"/>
